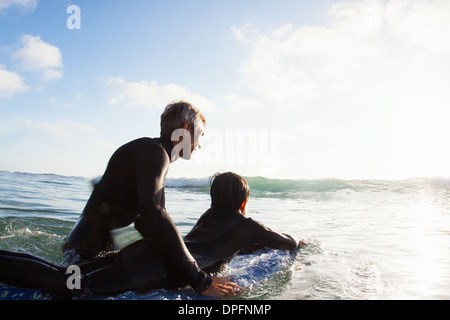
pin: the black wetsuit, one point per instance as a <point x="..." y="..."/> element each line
<point x="221" y="234"/>
<point x="130" y="190"/>
<point x="216" y="238"/>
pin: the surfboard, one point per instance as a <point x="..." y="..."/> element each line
<point x="246" y="270"/>
<point x="13" y="293"/>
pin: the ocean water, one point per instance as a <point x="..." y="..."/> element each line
<point x="368" y="239"/>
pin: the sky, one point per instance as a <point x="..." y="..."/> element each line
<point x="290" y="88"/>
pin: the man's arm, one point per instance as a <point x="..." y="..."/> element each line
<point x="151" y="165"/>
<point x="155" y="223"/>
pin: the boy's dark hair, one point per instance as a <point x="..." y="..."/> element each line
<point x="228" y="191"/>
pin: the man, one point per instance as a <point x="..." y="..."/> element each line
<point x="132" y="190"/>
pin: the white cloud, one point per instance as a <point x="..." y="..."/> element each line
<point x="153" y="95"/>
<point x="26" y="4"/>
<point x="363" y="18"/>
<point x="366" y="42"/>
<point x="10" y="84"/>
<point x="105" y="144"/>
<point x="356" y="72"/>
<point x="244" y="33"/>
<point x="81" y="128"/>
<point x="239" y="105"/>
<point x="62" y="129"/>
<point x="39" y="56"/>
<point x="54" y="129"/>
<point x="423" y="24"/>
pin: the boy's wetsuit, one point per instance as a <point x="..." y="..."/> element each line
<point x="132" y="190"/>
<point x="221" y="234"/>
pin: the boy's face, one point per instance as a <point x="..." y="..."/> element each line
<point x="244" y="207"/>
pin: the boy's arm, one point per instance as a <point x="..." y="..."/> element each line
<point x="261" y="236"/>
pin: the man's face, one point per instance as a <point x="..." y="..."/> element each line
<point x="187" y="140"/>
<point x="197" y="136"/>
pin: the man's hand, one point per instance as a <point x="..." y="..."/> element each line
<point x="221" y="288"/>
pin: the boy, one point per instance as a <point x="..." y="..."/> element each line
<point x="223" y="230"/>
